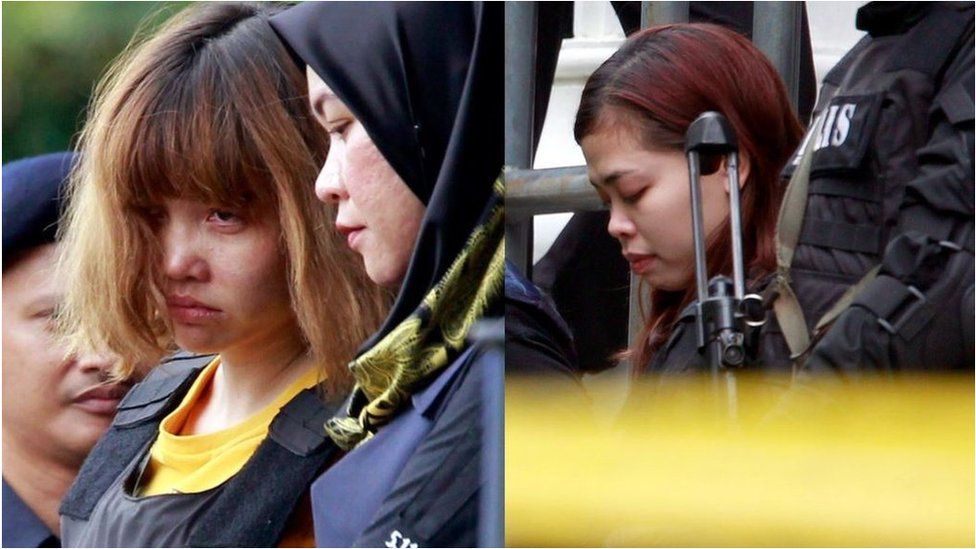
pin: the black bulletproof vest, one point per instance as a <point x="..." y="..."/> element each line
<point x="870" y="120"/>
<point x="249" y="510"/>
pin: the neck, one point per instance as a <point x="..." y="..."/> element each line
<point x="249" y="378"/>
<point x="38" y="477"/>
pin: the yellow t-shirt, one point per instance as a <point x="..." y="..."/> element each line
<point x="196" y="463"/>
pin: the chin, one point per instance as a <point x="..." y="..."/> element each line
<point x="384" y="275"/>
<point x="666" y="284"/>
<point x="201" y="344"/>
<point x="83" y="435"/>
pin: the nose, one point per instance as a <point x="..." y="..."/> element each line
<point x="99" y="364"/>
<point x="329" y="186"/>
<point x="620" y="226"/>
<point x="182" y="260"/>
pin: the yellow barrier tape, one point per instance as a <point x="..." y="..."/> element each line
<point x="878" y="463"/>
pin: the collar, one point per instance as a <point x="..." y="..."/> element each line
<point x="887" y="18"/>
<point x="21" y="527"/>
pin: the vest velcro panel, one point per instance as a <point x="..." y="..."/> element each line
<point x="134" y="427"/>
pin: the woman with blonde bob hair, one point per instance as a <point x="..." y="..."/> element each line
<point x="192" y="225"/>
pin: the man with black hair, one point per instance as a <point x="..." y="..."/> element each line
<point x="55" y="406"/>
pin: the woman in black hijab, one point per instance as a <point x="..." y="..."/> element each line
<point x="412" y="97"/>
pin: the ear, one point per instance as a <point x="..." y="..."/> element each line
<point x="744" y="165"/>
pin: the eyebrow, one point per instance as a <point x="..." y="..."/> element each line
<point x="612" y="178"/>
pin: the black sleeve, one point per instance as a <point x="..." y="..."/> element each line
<point x="942" y="193"/>
<point x="534" y="348"/>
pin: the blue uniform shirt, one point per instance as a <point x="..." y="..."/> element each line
<point x="346" y="498"/>
<point x="21" y="527"/>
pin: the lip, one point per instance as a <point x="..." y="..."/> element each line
<point x="188" y="310"/>
<point x="101" y="400"/>
<point x="640" y="264"/>
<point x="351" y="232"/>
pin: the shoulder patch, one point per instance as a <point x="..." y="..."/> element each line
<point x="843" y="132"/>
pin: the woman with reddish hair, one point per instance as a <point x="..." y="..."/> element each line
<point x="631" y="125"/>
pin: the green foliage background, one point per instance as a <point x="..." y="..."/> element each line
<point x="53" y="54"/>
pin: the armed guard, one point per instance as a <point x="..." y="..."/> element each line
<point x="875" y="240"/>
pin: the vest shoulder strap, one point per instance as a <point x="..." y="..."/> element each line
<point x="134" y="427"/>
<point x="161" y="390"/>
<point x="273" y="482"/>
<point x="846" y="299"/>
<point x="787" y="308"/>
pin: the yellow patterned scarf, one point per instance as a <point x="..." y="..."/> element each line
<point x="430" y="338"/>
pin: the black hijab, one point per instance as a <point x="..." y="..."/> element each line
<point x="426" y="81"/>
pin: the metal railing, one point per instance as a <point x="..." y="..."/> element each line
<point x="520" y="43"/>
<point x="546" y="191"/>
<point x="776" y="32"/>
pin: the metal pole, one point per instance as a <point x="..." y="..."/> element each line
<point x="518" y="243"/>
<point x="660" y="13"/>
<point x="776" y="32"/>
<point x="490" y="335"/>
<point x="552" y="190"/>
<point x="635" y="320"/>
<point x="697" y="227"/>
<point x="735" y="220"/>
<point x="520" y="43"/>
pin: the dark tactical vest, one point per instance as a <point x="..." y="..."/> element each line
<point x="249" y="510"/>
<point x="872" y="121"/>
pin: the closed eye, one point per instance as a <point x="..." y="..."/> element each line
<point x="632" y="198"/>
<point x="337" y="128"/>
<point x="47" y="313"/>
<point x="49" y="316"/>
